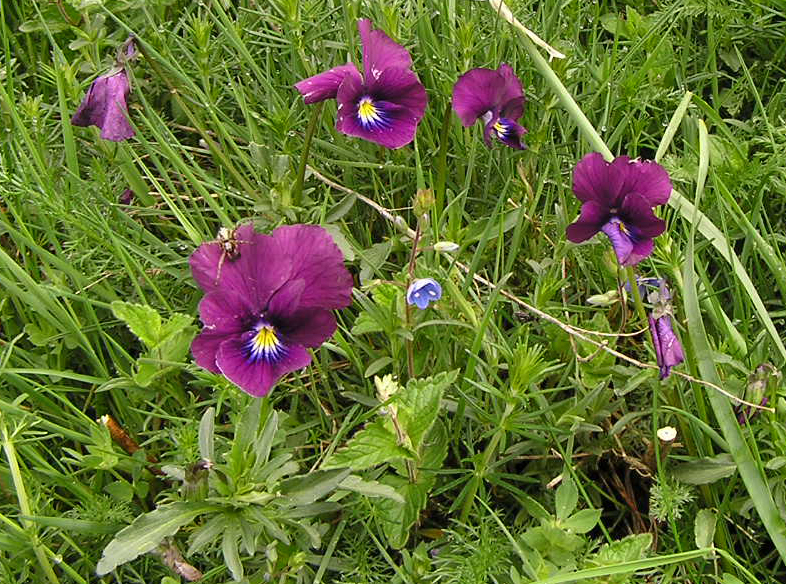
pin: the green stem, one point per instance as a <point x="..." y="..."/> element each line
<point x="24" y="506"/>
<point x="297" y="190"/>
<point x="634" y="288"/>
<point x="442" y="166"/>
<point x="480" y="471"/>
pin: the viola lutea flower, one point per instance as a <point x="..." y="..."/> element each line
<point x="618" y="199"/>
<point x="496" y="97"/>
<point x="423" y="291"/>
<point x="105" y="104"/>
<point x="668" y="350"/>
<point x="268" y="304"/>
<point x="385" y="104"/>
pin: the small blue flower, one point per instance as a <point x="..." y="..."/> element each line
<point x="422" y="291"/>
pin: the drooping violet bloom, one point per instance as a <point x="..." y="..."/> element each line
<point x="618" y="199"/>
<point x="126" y="197"/>
<point x="105" y="105"/>
<point x="422" y="291"/>
<point x="267" y="304"/>
<point x="494" y="96"/>
<point x="385" y="104"/>
<point x="668" y="350"/>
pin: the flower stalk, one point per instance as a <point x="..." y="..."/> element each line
<point x="297" y="190"/>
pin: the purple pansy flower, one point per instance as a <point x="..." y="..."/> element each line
<point x="104" y="105"/>
<point x="422" y="291"/>
<point x="385" y="104"/>
<point x="494" y="96"/>
<point x="668" y="350"/>
<point x="268" y="303"/>
<point x="618" y="198"/>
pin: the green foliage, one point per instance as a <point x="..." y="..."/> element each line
<point x="167" y="342"/>
<point x="435" y="477"/>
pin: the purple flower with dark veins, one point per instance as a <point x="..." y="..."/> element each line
<point x="618" y="199"/>
<point x="494" y="96"/>
<point x="104" y="105"/>
<point x="269" y="303"/>
<point x="668" y="350"/>
<point x="385" y="104"/>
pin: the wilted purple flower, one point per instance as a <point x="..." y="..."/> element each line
<point x="668" y="350"/>
<point x="270" y="302"/>
<point x="494" y="96"/>
<point x="104" y="105"/>
<point x="385" y="104"/>
<point x="618" y="199"/>
<point x="127" y="197"/>
<point x="422" y="291"/>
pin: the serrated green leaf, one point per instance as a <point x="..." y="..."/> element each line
<point x="418" y="405"/>
<point x="142" y="320"/>
<point x="146" y="532"/>
<point x="373" y="445"/>
<point x="397" y="519"/>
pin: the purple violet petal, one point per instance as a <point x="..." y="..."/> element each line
<point x="637" y="215"/>
<point x="668" y="349"/>
<point x="226" y="310"/>
<point x="205" y="347"/>
<point x="257" y="377"/>
<point x="590" y="179"/>
<point x="512" y="95"/>
<point x="401" y="87"/>
<point x="316" y="259"/>
<point x="309" y="327"/>
<point x="325" y="85"/>
<point x="642" y="248"/>
<point x="259" y="269"/>
<point x="650" y="180"/>
<point x="620" y="239"/>
<point x="380" y="52"/>
<point x="398" y="101"/>
<point x="477" y="92"/>
<point x="508" y="132"/>
<point x="592" y="219"/>
<point x="105" y="106"/>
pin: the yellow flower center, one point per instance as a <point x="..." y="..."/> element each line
<point x="265" y="340"/>
<point x="368" y="112"/>
<point x="501" y="129"/>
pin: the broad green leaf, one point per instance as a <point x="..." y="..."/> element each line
<point x="397" y="519"/>
<point x="704" y="471"/>
<point x="370" y="488"/>
<point x="147" y="531"/>
<point x="704" y="527"/>
<point x="306" y="489"/>
<point x="418" y="405"/>
<point x="582" y="521"/>
<point x="373" y="445"/>
<point x="142" y="320"/>
<point x="566" y="498"/>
